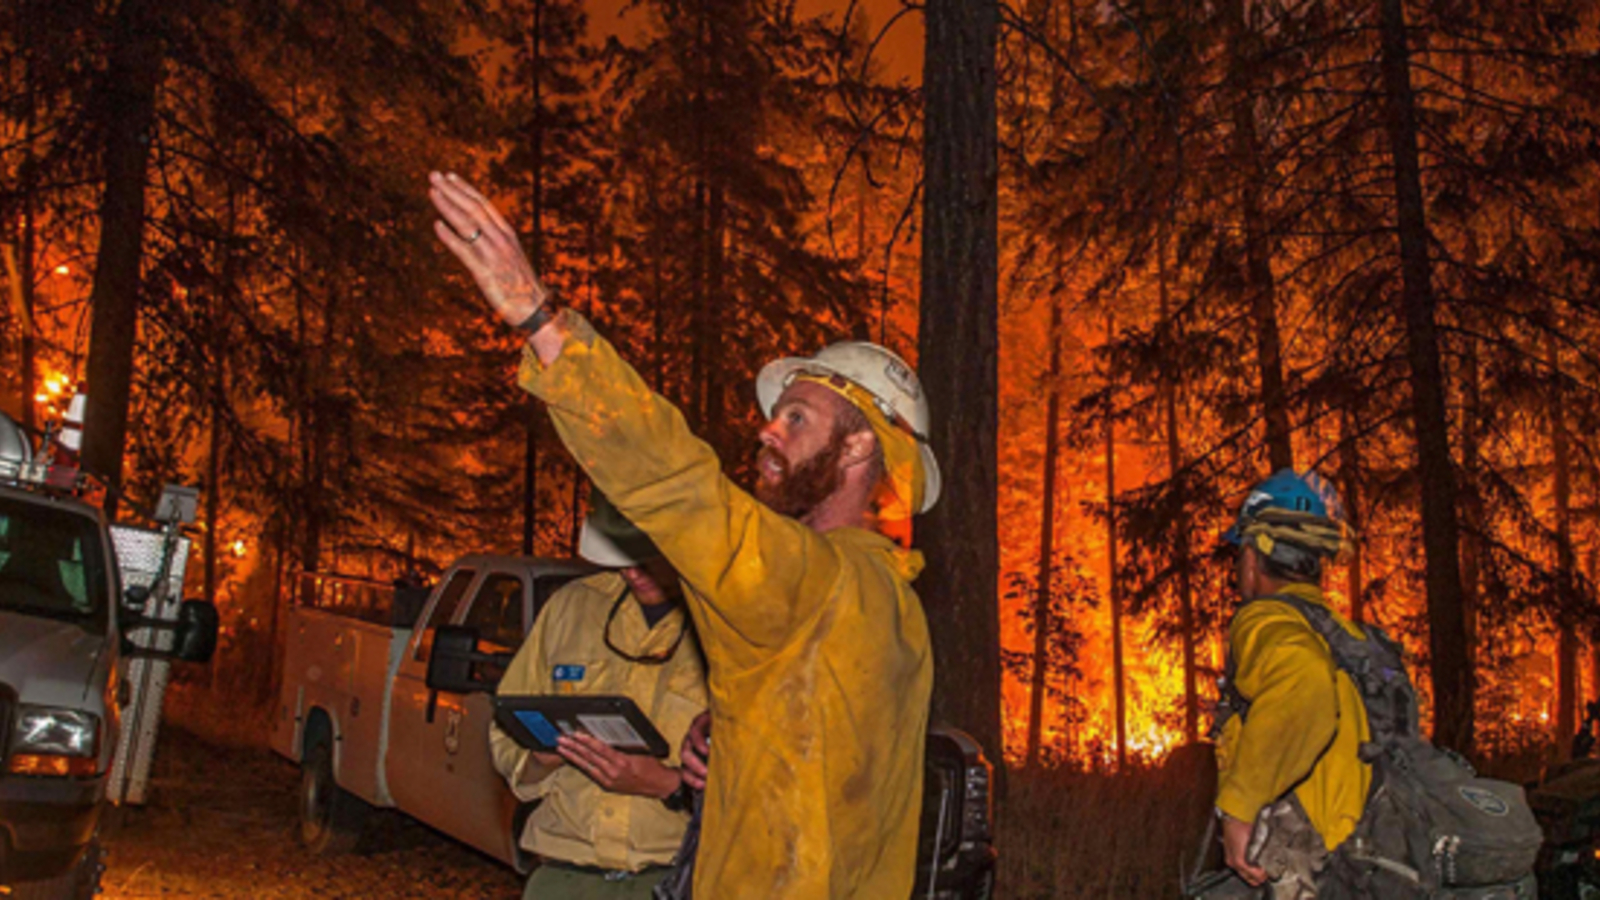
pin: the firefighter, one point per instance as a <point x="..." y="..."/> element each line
<point x="1291" y="785"/>
<point x="609" y="822"/>
<point x="818" y="652"/>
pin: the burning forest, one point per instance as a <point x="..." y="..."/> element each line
<point x="1143" y="255"/>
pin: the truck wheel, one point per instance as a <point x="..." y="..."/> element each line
<point x="81" y="882"/>
<point x="330" y="816"/>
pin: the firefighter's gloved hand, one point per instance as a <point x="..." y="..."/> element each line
<point x="481" y="238"/>
<point x="1236" y="850"/>
<point x="618" y="772"/>
<point x="696" y="751"/>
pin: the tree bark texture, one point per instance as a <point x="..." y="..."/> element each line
<point x="129" y="100"/>
<point x="1452" y="675"/>
<point x="958" y="342"/>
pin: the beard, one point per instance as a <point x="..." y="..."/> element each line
<point x="800" y="488"/>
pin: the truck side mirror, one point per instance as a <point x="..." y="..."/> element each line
<point x="195" y="637"/>
<point x="455" y="649"/>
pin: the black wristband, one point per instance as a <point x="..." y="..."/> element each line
<point x="541" y="316"/>
<point x="680" y="799"/>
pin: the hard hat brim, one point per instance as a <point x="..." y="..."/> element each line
<point x="596" y="547"/>
<point x="775" y="375"/>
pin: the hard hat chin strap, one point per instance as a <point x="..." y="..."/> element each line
<point x="902" y="457"/>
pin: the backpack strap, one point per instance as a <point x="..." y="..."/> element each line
<point x="1375" y="665"/>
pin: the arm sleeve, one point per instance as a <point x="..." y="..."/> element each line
<point x="529" y="673"/>
<point x="756" y="573"/>
<point x="1287" y="674"/>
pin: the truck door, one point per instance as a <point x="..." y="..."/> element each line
<point x="482" y="805"/>
<point x="415" y="752"/>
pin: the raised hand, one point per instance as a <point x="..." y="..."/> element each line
<point x="482" y="239"/>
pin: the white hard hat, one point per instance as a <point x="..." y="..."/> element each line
<point x="892" y="384"/>
<point x="608" y="539"/>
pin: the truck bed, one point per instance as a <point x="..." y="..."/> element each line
<point x="336" y="675"/>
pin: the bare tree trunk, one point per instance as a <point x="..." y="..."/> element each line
<point x="1567" y="688"/>
<point x="1471" y="502"/>
<point x="959" y="350"/>
<point x="575" y="524"/>
<point x="1180" y="545"/>
<point x="1042" y="605"/>
<point x="26" y="248"/>
<point x="1260" y="284"/>
<point x="1118" y="674"/>
<point x="1594" y="644"/>
<point x="1453" y="679"/>
<point x="715" y="425"/>
<point x="534" y="415"/>
<point x="131" y="81"/>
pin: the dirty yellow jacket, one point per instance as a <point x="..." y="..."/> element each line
<point x="565" y="653"/>
<point x="1305" y="725"/>
<point x="820" y="665"/>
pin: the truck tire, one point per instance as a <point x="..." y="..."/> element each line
<point x="81" y="882"/>
<point x="330" y="816"/>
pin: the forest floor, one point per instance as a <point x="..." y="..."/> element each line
<point x="221" y="824"/>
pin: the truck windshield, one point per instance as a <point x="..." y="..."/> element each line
<point x="52" y="564"/>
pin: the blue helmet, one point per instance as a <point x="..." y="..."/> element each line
<point x="1304" y="500"/>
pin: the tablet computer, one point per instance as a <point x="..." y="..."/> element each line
<point x="535" y="721"/>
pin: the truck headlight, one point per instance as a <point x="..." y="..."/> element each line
<point x="47" y="740"/>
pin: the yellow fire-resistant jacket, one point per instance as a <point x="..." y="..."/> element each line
<point x="566" y="653"/>
<point x="1305" y="725"/>
<point x="820" y="665"/>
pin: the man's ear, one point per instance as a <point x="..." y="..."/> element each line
<point x="858" y="448"/>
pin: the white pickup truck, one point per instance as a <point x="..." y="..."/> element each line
<point x="357" y="713"/>
<point x="91" y="618"/>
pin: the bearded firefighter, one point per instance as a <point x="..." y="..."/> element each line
<point x="817" y="647"/>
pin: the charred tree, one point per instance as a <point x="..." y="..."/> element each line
<point x="534" y="416"/>
<point x="1043" y="600"/>
<point x="1451" y="670"/>
<point x="1181" y="546"/>
<point x="1567" y="688"/>
<point x="128" y="102"/>
<point x="958" y="344"/>
<point x="1259" y="284"/>
<point x="1352" y="466"/>
<point x="1118" y="669"/>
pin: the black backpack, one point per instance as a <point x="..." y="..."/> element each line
<point x="1431" y="827"/>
